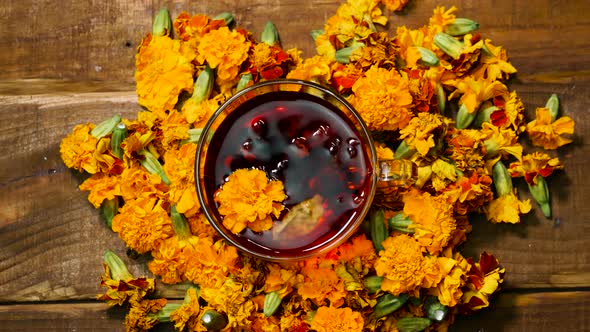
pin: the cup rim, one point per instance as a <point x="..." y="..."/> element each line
<point x="344" y="236"/>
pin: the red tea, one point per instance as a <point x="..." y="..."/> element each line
<point x="309" y="145"/>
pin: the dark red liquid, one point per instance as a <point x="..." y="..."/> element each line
<point x="306" y="143"/>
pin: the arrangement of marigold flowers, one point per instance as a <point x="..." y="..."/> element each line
<point x="435" y="95"/>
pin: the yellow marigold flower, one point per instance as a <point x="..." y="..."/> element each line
<point x="467" y="149"/>
<point x="408" y="40"/>
<point x="330" y="319"/>
<point x="441" y="17"/>
<point x="142" y="224"/>
<point x="199" y="113"/>
<point x="321" y="284"/>
<point x="162" y="73"/>
<point x="383" y="99"/>
<point x="129" y="290"/>
<point x="101" y="186"/>
<point x="174" y="128"/>
<point x="534" y="165"/>
<point x="348" y="21"/>
<point x="189" y="313"/>
<point x="248" y="199"/>
<point x="105" y="161"/>
<point x="510" y="114"/>
<point x="475" y="91"/>
<point x="469" y="193"/>
<point x="225" y="50"/>
<point x="316" y="69"/>
<point x="547" y="133"/>
<point x="171" y="257"/>
<point x="77" y="149"/>
<point x="179" y="165"/>
<point x="484" y="278"/>
<point x="140" y="316"/>
<point x="200" y="226"/>
<point x="432" y="220"/>
<point x="231" y="299"/>
<point x="494" y="66"/>
<point x="324" y="47"/>
<point x="507" y="208"/>
<point x="500" y="141"/>
<point x="383" y="152"/>
<point x="402" y="265"/>
<point x="419" y="133"/>
<point x="212" y="263"/>
<point x="395" y="5"/>
<point x="136" y="182"/>
<point x="449" y="289"/>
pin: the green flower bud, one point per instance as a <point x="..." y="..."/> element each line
<point x="449" y="45"/>
<point x="378" y="228"/>
<point x="203" y="85"/>
<point x="227" y="17"/>
<point x="272" y="301"/>
<point x="152" y="165"/>
<point x="484" y="116"/>
<point x="388" y="303"/>
<point x="213" y="320"/>
<point x="434" y="309"/>
<point x="108" y="209"/>
<point x="413" y="324"/>
<point x="373" y="284"/>
<point x="464" y="118"/>
<point x="540" y="193"/>
<point x="116" y="266"/>
<point x="194" y="134"/>
<point x="441" y="98"/>
<point x="162" y="23"/>
<point x="179" y="224"/>
<point x="428" y="57"/>
<point x="119" y="134"/>
<point x="270" y="34"/>
<point x="400" y="224"/>
<point x="553" y="106"/>
<point x="244" y="81"/>
<point x="106" y="127"/>
<point x="403" y="151"/>
<point x="502" y="179"/>
<point x="316" y="33"/>
<point x="343" y="54"/>
<point x="461" y="26"/>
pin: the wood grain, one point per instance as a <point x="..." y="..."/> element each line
<point x="511" y="312"/>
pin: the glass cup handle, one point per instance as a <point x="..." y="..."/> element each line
<point x="394" y="176"/>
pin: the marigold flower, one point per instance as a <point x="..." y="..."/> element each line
<point x="499" y="141"/>
<point x="331" y="319"/>
<point x="200" y="226"/>
<point x="142" y="223"/>
<point x="316" y="69"/>
<point x="198" y="113"/>
<point x="408" y="41"/>
<point x="231" y="299"/>
<point x="419" y="133"/>
<point x="449" y="290"/>
<point x="269" y="62"/>
<point x="547" y="133"/>
<point x="475" y="91"/>
<point x="194" y="27"/>
<point x="140" y="316"/>
<point x="225" y="50"/>
<point x="495" y="65"/>
<point x="483" y="279"/>
<point x="262" y="323"/>
<point x="77" y="149"/>
<point x="358" y="247"/>
<point x="321" y="284"/>
<point x="211" y="263"/>
<point x="534" y="165"/>
<point x="180" y="168"/>
<point x="466" y="149"/>
<point x="383" y="99"/>
<point x="101" y="186"/>
<point x="136" y="182"/>
<point x="469" y="193"/>
<point x="379" y="50"/>
<point x="248" y="199"/>
<point x="188" y="315"/>
<point x="174" y="128"/>
<point x="507" y="208"/>
<point x="162" y="73"/>
<point x="510" y="113"/>
<point x="441" y="17"/>
<point x="395" y="5"/>
<point x="383" y="152"/>
<point x="432" y="220"/>
<point x="171" y="257"/>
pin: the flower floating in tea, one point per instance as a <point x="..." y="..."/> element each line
<point x="435" y="96"/>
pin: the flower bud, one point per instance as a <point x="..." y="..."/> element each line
<point x="540" y="193"/>
<point x="194" y="134"/>
<point x="413" y="324"/>
<point x="116" y="266"/>
<point x="484" y="116"/>
<point x="461" y="26"/>
<point x="179" y="224"/>
<point x="227" y="17"/>
<point x="106" y="127"/>
<point x="203" y="85"/>
<point x="270" y="35"/>
<point x="343" y="54"/>
<point x="403" y="151"/>
<point x="272" y="301"/>
<point x="162" y="23"/>
<point x="464" y="118"/>
<point x="428" y="58"/>
<point x="108" y="209"/>
<point x="316" y="33"/>
<point x="502" y="179"/>
<point x="388" y="303"/>
<point x="213" y="320"/>
<point x="553" y="106"/>
<point x="378" y="228"/>
<point x="400" y="223"/>
<point x="119" y="135"/>
<point x="152" y="165"/>
<point x="244" y="81"/>
<point x="449" y="45"/>
<point x="373" y="284"/>
<point x="434" y="309"/>
<point x="441" y="98"/>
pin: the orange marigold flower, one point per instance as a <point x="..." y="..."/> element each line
<point x="231" y="299"/>
<point x="321" y="284"/>
<point x="188" y="314"/>
<point x="261" y="323"/>
<point x="162" y="73"/>
<point x="179" y="165"/>
<point x="142" y="224"/>
<point x="507" y="208"/>
<point x="395" y="5"/>
<point x="383" y="152"/>
<point x="379" y="50"/>
<point x="173" y="128"/>
<point x="466" y="149"/>
<point x="547" y="133"/>
<point x="475" y="91"/>
<point x="449" y="290"/>
<point x="172" y="256"/>
<point x="136" y="182"/>
<point x="419" y="133"/>
<point x="344" y="76"/>
<point x="248" y="199"/>
<point x="200" y="226"/>
<point x="408" y="40"/>
<point x="330" y="319"/>
<point x="225" y="50"/>
<point x="199" y="113"/>
<point x="383" y="99"/>
<point x="534" y="165"/>
<point x="187" y="27"/>
<point x="469" y="193"/>
<point x="140" y="316"/>
<point x="77" y="149"/>
<point x="281" y="280"/>
<point x="269" y="62"/>
<point x="510" y="113"/>
<point x="432" y="220"/>
<point x="129" y="290"/>
<point x="358" y="247"/>
<point x="211" y="263"/>
<point x="101" y="186"/>
<point x="316" y="69"/>
<point x="483" y="279"/>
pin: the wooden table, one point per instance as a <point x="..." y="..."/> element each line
<point x="68" y="62"/>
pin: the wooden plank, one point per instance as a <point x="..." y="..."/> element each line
<point x="538" y="312"/>
<point x="97" y="40"/>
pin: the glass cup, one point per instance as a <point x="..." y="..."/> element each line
<point x="314" y="141"/>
